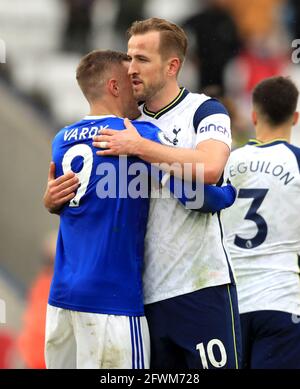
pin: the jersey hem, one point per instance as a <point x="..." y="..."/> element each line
<point x="241" y="311"/>
<point x="104" y="311"/>
<point x="176" y="293"/>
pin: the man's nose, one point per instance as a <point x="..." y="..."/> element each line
<point x="132" y="69"/>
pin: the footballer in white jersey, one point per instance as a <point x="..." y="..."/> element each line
<point x="188" y="280"/>
<point x="263" y="230"/>
<point x="188" y="264"/>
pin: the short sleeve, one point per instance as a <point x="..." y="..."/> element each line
<point x="296" y="151"/>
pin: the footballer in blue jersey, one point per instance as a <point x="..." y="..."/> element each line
<point x="100" y="242"/>
<point x="95" y="312"/>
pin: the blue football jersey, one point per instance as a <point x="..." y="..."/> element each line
<point x="100" y="246"/>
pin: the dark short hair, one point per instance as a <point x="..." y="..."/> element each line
<point x="173" y="39"/>
<point x="276" y="99"/>
<point x="94" y="68"/>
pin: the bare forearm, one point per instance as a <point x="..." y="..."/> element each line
<point x="156" y="153"/>
<point x="209" y="156"/>
<point x="198" y="159"/>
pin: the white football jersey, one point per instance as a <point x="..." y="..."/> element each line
<point x="263" y="225"/>
<point x="185" y="250"/>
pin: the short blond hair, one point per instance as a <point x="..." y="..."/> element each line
<point x="94" y="68"/>
<point x="173" y="39"/>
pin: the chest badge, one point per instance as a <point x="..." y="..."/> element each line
<point x="175" y="132"/>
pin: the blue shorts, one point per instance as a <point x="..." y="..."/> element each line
<point x="271" y="340"/>
<point x="196" y="330"/>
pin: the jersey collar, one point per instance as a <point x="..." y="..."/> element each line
<point x="178" y="99"/>
<point x="257" y="143"/>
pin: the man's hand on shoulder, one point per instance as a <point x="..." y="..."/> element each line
<point x="59" y="190"/>
<point x="116" y="142"/>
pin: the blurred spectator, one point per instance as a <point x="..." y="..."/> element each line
<point x="262" y="57"/>
<point x="216" y="42"/>
<point x="31" y="341"/>
<point x="78" y="25"/>
<point x="128" y="12"/>
<point x="294" y="18"/>
<point x="255" y="17"/>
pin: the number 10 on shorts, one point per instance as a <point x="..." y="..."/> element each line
<point x="208" y="354"/>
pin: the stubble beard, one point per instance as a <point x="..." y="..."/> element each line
<point x="150" y="92"/>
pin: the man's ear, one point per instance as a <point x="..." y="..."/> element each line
<point x="173" y="66"/>
<point x="254" y="117"/>
<point x="295" y="118"/>
<point x="113" y="87"/>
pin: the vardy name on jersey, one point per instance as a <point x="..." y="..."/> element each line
<point x="82" y="133"/>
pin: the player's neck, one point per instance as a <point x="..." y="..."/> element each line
<point x="102" y="109"/>
<point x="163" y="97"/>
<point x="265" y="133"/>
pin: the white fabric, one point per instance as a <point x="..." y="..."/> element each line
<point x="268" y="274"/>
<point x="183" y="249"/>
<point x="215" y="127"/>
<point x="269" y="282"/>
<point x="94" y="341"/>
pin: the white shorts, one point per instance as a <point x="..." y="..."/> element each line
<point x="95" y="341"/>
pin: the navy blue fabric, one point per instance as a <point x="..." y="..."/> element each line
<point x="177" y="325"/>
<point x="271" y="340"/>
<point x="296" y="151"/>
<point x="209" y="107"/>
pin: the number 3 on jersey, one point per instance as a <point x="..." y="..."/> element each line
<point x="258" y="196"/>
<point x="84" y="175"/>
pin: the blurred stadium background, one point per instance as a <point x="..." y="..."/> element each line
<point x="233" y="45"/>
